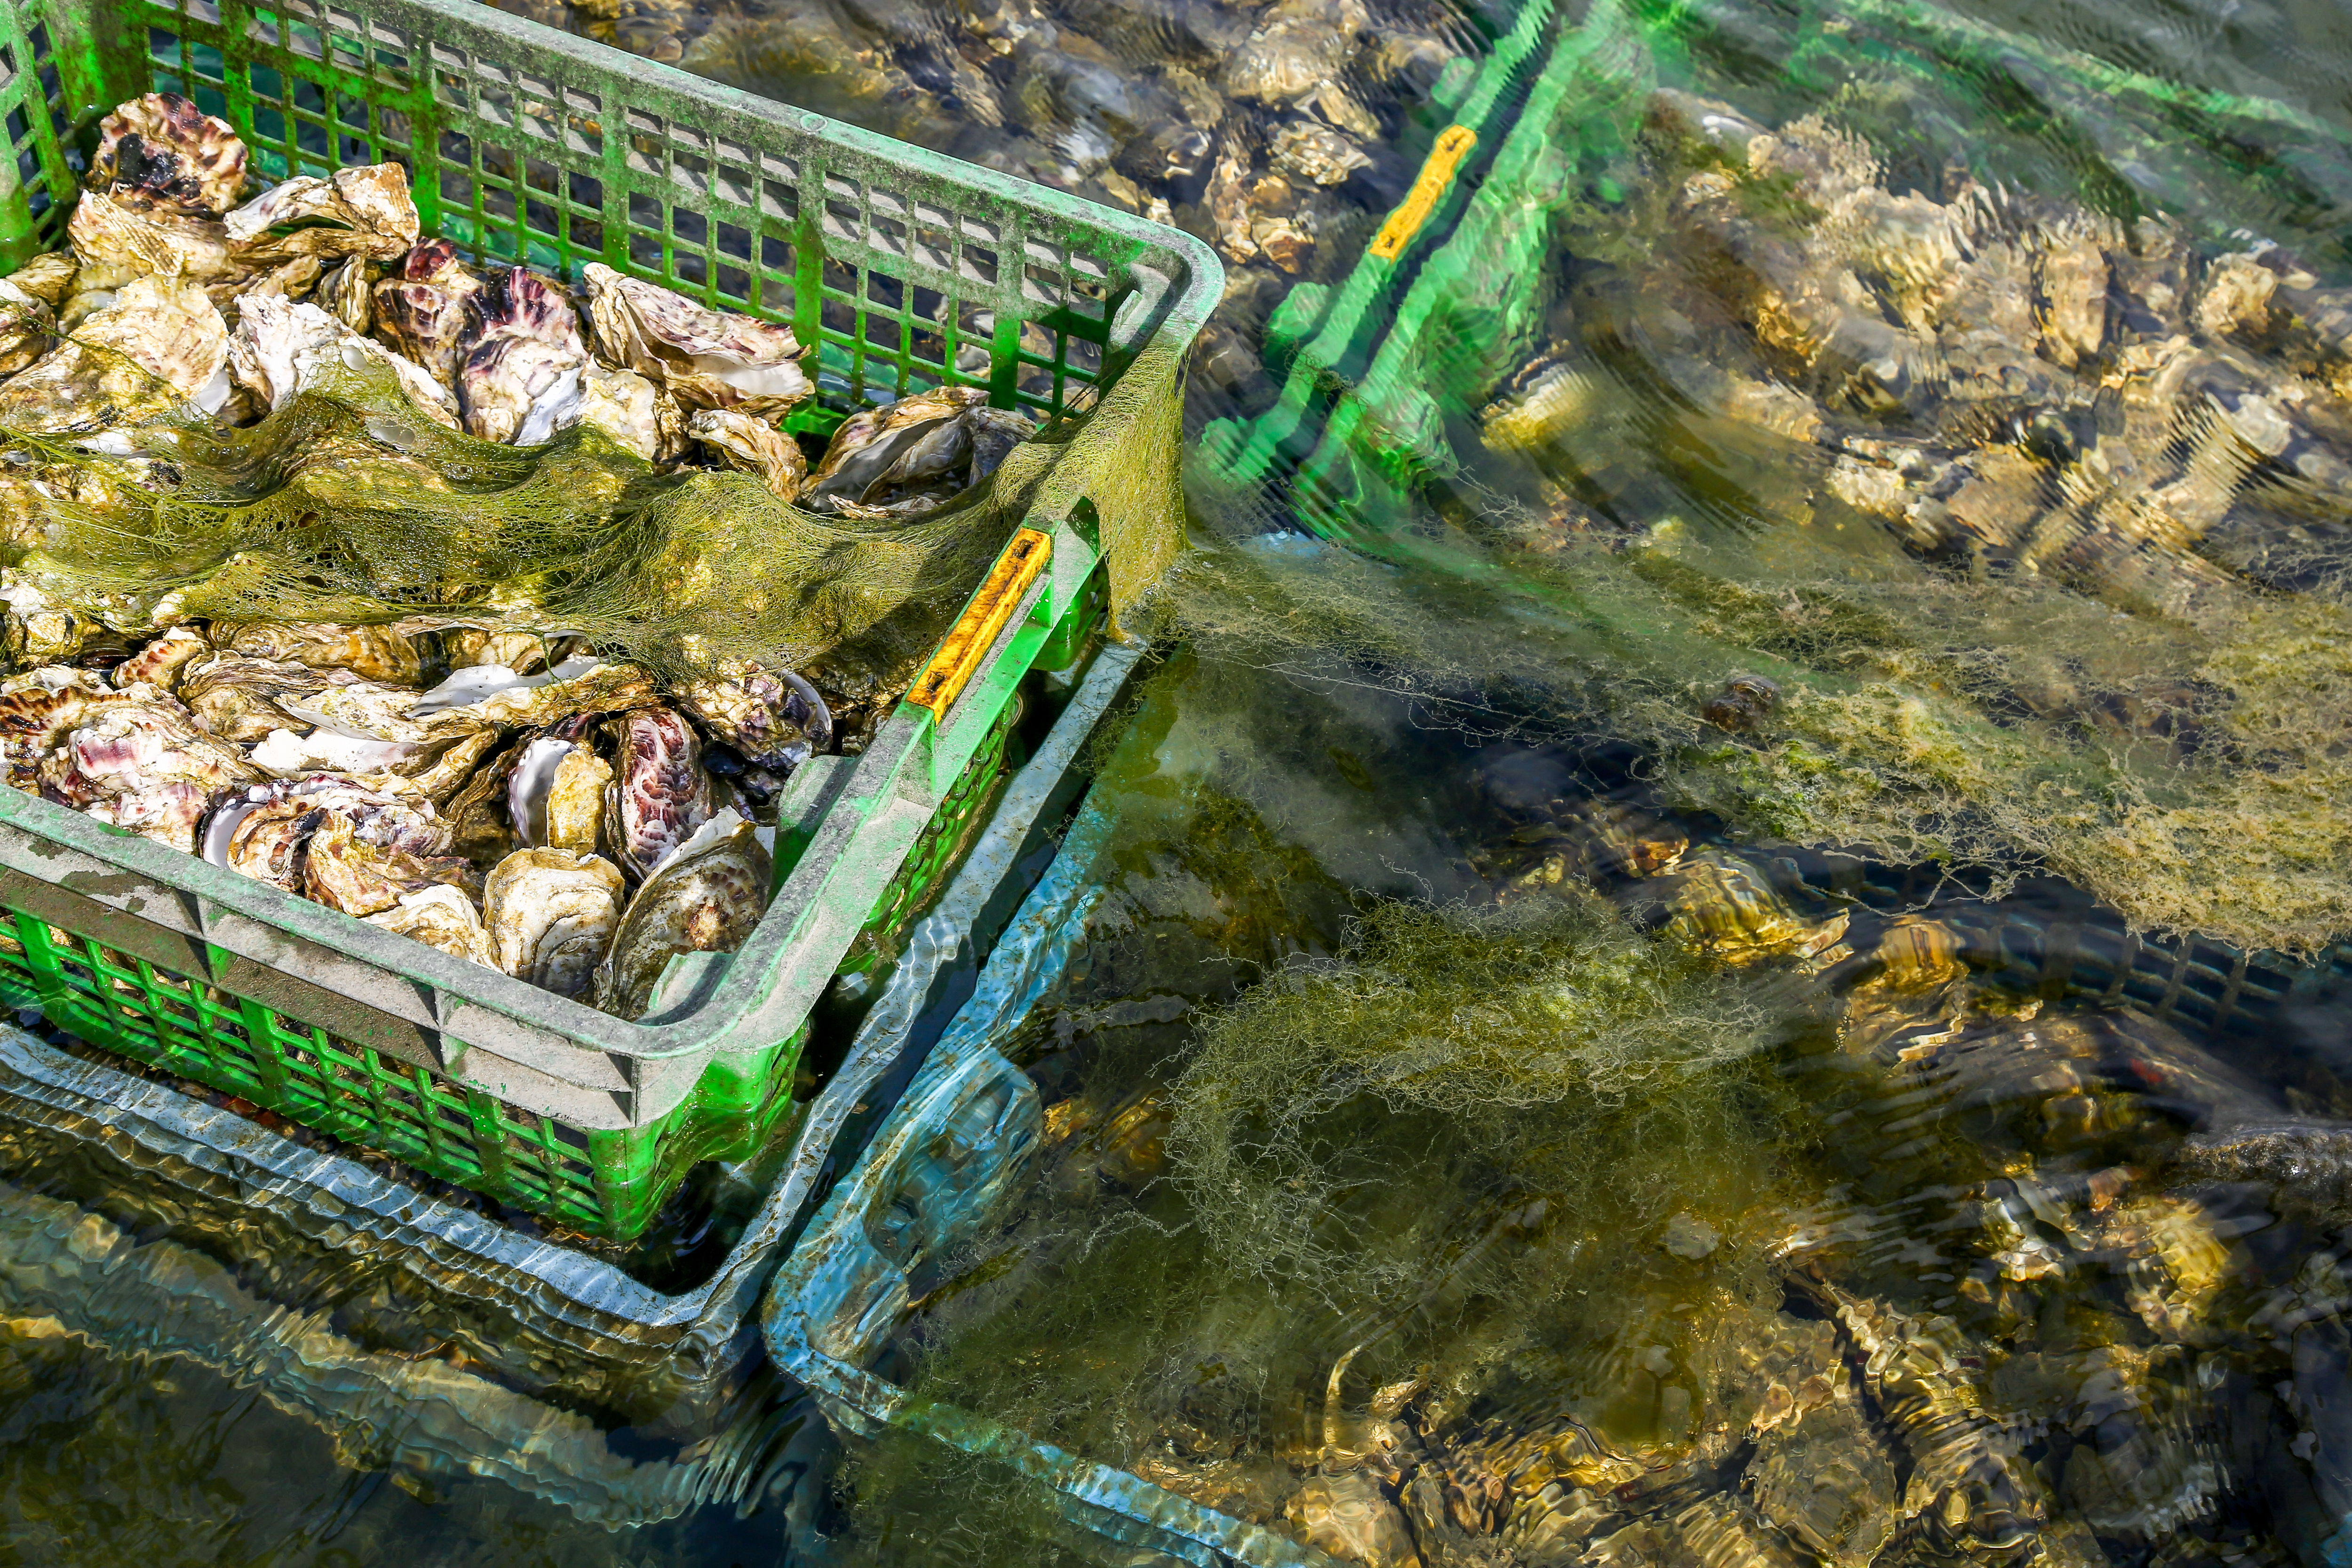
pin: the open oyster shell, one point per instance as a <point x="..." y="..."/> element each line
<point x="704" y="358"/>
<point x="164" y="153"/>
<point x="365" y="211"/>
<point x="420" y="308"/>
<point x="916" y="454"/>
<point x="705" y="897"/>
<point x="754" y="446"/>
<point x="551" y="914"/>
<point x="520" y="381"/>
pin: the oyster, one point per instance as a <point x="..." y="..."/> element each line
<point x="492" y="694"/>
<point x="704" y="358"/>
<point x="347" y="292"/>
<point x="916" y="454"/>
<point x="265" y="832"/>
<point x="440" y="917"/>
<point x="420" y="308"/>
<point x="28" y="327"/>
<point x="282" y="348"/>
<point x="551" y="914"/>
<point x="163" y="152"/>
<point x="752" y="446"/>
<point x="289" y="755"/>
<point x="556" y="794"/>
<point x="776" y="721"/>
<point x="633" y="412"/>
<point x="143" y="766"/>
<point x="38" y="709"/>
<point x="356" y="212"/>
<point x="520" y="381"/>
<point x="705" y="897"/>
<point x="115" y="242"/>
<point x="1317" y="153"/>
<point x="49" y="278"/>
<point x="660" y="793"/>
<point x="160" y="662"/>
<point x="1348" y="1516"/>
<point x="160" y="345"/>
<point x="240" y="698"/>
<point x="361" y="863"/>
<point x="1723" y="907"/>
<point x="371" y="653"/>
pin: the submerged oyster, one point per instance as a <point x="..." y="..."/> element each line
<point x="145" y="767"/>
<point x="660" y="794"/>
<point x="704" y="358"/>
<point x="282" y="348"/>
<point x="160" y="345"/>
<point x="371" y="653"/>
<point x="551" y="914"/>
<point x="752" y="446"/>
<point x="420" y="308"/>
<point x="705" y="897"/>
<point x="357" y="212"/>
<point x="440" y="917"/>
<point x="163" y="152"/>
<point x="915" y="454"/>
<point x="520" y="382"/>
<point x="776" y="721"/>
<point x="633" y="412"/>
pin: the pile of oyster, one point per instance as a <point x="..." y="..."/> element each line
<point x="178" y="294"/>
<point x="535" y="810"/>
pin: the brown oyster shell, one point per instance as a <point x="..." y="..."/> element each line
<point x="48" y="277"/>
<point x="282" y="348"/>
<point x="704" y="358"/>
<point x="420" y="308"/>
<point x="163" y="152"/>
<point x="28" y="327"/>
<point x="371" y="653"/>
<point x="343" y="870"/>
<point x="550" y="915"/>
<point x="160" y="662"/>
<point x="754" y="446"/>
<point x="706" y="899"/>
<point x="520" y="381"/>
<point x="116" y="242"/>
<point x="365" y="211"/>
<point x="660" y="793"/>
<point x="914" y="455"/>
<point x="347" y="292"/>
<point x="238" y="698"/>
<point x="776" y="721"/>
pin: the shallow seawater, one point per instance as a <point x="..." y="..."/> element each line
<point x="1612" y="1035"/>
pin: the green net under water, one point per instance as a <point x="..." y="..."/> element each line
<point x="346" y="505"/>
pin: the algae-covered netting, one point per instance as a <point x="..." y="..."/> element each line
<point x="346" y="505"/>
<point x="1901" y="386"/>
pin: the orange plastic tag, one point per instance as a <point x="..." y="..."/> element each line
<point x="975" y="632"/>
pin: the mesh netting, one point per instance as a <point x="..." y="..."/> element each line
<point x="346" y="505"/>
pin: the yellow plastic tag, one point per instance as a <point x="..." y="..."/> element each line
<point x="975" y="632"/>
<point x="1453" y="144"/>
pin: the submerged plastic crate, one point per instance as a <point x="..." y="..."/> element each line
<point x="900" y="269"/>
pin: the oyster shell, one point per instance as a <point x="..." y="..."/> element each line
<point x="705" y="897"/>
<point x="551" y="914"/>
<point x="633" y="412"/>
<point x="493" y="695"/>
<point x="556" y="794"/>
<point x="660" y="793"/>
<point x="48" y="277"/>
<point x="420" y="308"/>
<point x="520" y="653"/>
<point x="440" y="917"/>
<point x="704" y="358"/>
<point x="776" y="721"/>
<point x="163" y="152"/>
<point x="346" y="867"/>
<point x="1348" y="1516"/>
<point x="347" y="292"/>
<point x="145" y="767"/>
<point x="282" y="348"/>
<point x="1317" y="153"/>
<point x="364" y="211"/>
<point x="529" y="786"/>
<point x="240" y="698"/>
<point x="520" y="382"/>
<point x="752" y="446"/>
<point x="28" y="327"/>
<point x="371" y="653"/>
<point x="160" y="345"/>
<point x="40" y="708"/>
<point x="916" y="454"/>
<point x="160" y="662"/>
<point x="116" y="242"/>
<point x="289" y="755"/>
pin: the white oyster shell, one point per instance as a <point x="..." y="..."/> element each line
<point x="551" y="914"/>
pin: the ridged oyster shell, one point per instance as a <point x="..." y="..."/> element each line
<point x="163" y="152"/>
<point x="440" y="917"/>
<point x="28" y="328"/>
<point x="143" y="766"/>
<point x="371" y="653"/>
<point x="520" y="381"/>
<point x="420" y="308"/>
<point x="704" y="358"/>
<point x="754" y="446"/>
<point x="705" y="897"/>
<point x="159" y="664"/>
<point x="365" y="211"/>
<point x="240" y="698"/>
<point x="914" y="455"/>
<point x="633" y="412"/>
<point x="282" y="348"/>
<point x="159" y="345"/>
<point x="660" y="793"/>
<point x="776" y="719"/>
<point x="551" y="914"/>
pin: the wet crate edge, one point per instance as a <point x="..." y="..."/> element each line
<point x="902" y="269"/>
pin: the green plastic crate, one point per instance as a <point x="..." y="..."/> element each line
<point x="523" y="144"/>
